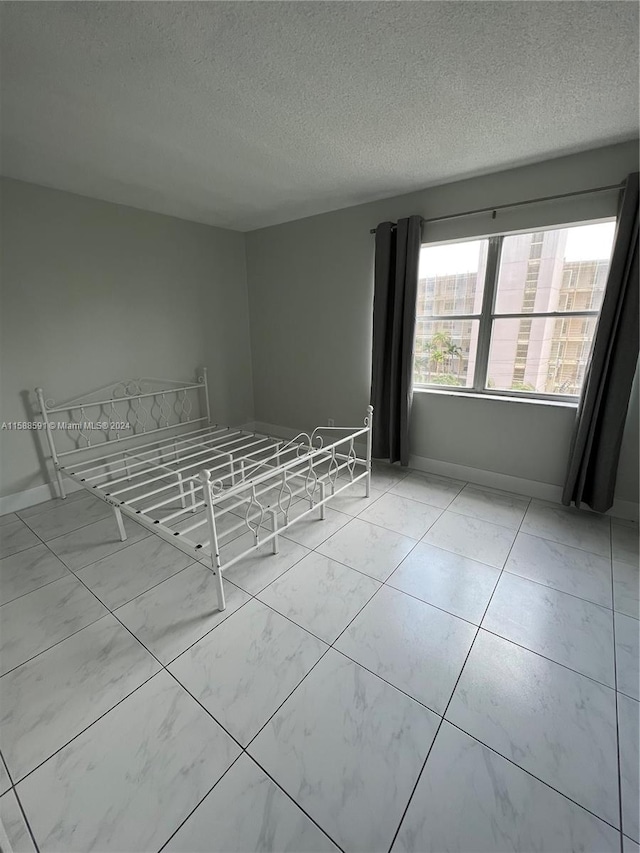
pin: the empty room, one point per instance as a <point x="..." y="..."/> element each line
<point x="319" y="426"/>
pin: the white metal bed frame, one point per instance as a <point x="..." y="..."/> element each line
<point x="171" y="466"/>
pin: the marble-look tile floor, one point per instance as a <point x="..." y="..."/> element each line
<point x="440" y="667"/>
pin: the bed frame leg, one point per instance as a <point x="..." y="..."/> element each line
<point x="323" y="494"/>
<point x="61" y="488"/>
<point x="183" y="502"/>
<point x="274" y="520"/>
<point x="369" y="423"/>
<point x="216" y="563"/>
<point x="193" y="496"/>
<point x="120" y="523"/>
<point x="50" y="441"/>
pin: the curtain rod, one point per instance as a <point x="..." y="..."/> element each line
<point x="516" y="204"/>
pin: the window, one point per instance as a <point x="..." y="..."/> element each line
<point x="513" y="314"/>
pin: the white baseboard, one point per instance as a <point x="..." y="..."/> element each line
<point x="481" y="477"/>
<point x="518" y="485"/>
<point x="627" y="510"/>
<point x="31" y="497"/>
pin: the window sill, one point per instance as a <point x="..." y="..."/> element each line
<point x="563" y="404"/>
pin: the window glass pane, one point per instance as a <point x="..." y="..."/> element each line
<point x="451" y="278"/>
<point x="445" y="352"/>
<point x="561" y="270"/>
<point x="545" y="355"/>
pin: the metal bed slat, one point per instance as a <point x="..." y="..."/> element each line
<point x="128" y="437"/>
<point x="216" y="451"/>
<point x="138" y="447"/>
<point x="193" y="465"/>
<point x="145" y="461"/>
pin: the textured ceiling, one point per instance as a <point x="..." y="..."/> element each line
<point x="245" y="114"/>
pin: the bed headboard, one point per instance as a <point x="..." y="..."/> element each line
<point x="123" y="409"/>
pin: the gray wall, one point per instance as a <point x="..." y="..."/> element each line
<point x="311" y="295"/>
<point x="93" y="292"/>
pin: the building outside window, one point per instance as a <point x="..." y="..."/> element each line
<point x="512" y="314"/>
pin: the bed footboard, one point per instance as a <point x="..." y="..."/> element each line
<point x="283" y="487"/>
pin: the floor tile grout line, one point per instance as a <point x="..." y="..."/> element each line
<point x="37" y="588"/>
<point x="564" y="544"/>
<point x="560" y="591"/>
<point x="85" y="729"/>
<point x="498" y="753"/>
<point x="483" y="520"/>
<point x="391" y="529"/>
<point x="98" y="521"/>
<point x="633" y="698"/>
<point x="20" y="550"/>
<point x="390" y="683"/>
<point x="268" y="775"/>
<point x="506" y="560"/>
<point x="80" y="493"/>
<point x="26" y="819"/>
<point x="387" y="582"/>
<point x="546" y="657"/>
<point x="129" y="600"/>
<point x="74" y="573"/>
<point x="325" y="652"/>
<point x="529" y="773"/>
<point x="163" y="668"/>
<point x="517" y="530"/>
<point x="129" y="544"/>
<point x="58" y="642"/>
<point x="455" y="686"/>
<point x="245" y="748"/>
<point x="330" y="646"/>
<point x="67" y="532"/>
<point x="296" y="803"/>
<point x="199" y="803"/>
<point x="424" y="601"/>
<point x="112" y="611"/>
<point x="103" y="615"/>
<point x="352" y="568"/>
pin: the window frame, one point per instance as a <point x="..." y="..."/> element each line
<point x="488" y="316"/>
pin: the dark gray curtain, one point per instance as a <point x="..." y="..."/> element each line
<point x="394" y="320"/>
<point x="595" y="449"/>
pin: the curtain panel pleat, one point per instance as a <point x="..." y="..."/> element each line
<point x="397" y="257"/>
<point x="597" y="437"/>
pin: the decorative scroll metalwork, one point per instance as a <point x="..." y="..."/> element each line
<point x="182" y="406"/>
<point x="287" y="492"/>
<point x="351" y="459"/>
<point x="123" y="409"/>
<point x="333" y="470"/>
<point x="311" y="481"/>
<point x="259" y="508"/>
